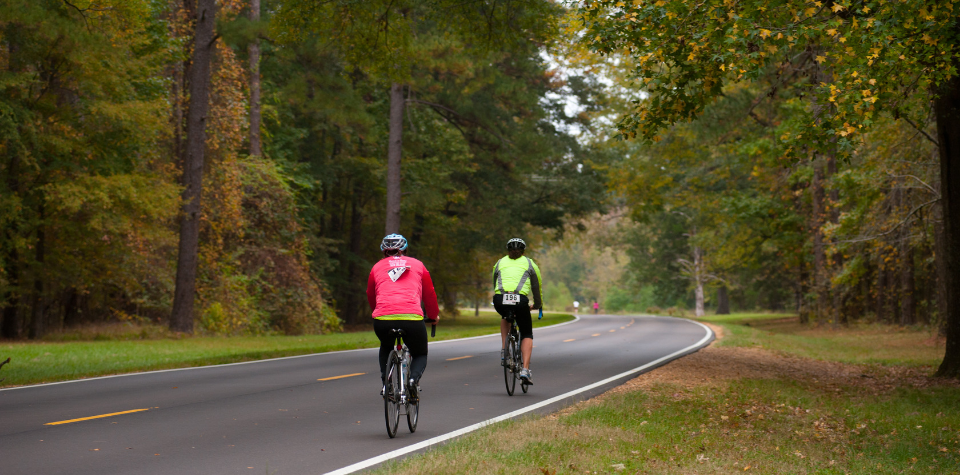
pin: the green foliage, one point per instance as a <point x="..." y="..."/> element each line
<point x="87" y="203"/>
<point x="110" y="233"/>
<point x="389" y="40"/>
<point x="557" y="296"/>
<point x="867" y="56"/>
<point x="484" y="152"/>
<point x="92" y="101"/>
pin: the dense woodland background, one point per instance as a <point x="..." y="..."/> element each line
<point x="509" y="119"/>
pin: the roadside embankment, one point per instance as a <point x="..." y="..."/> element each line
<point x="741" y="406"/>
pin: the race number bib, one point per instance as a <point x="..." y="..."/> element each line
<point x="396" y="272"/>
<point x="511" y="299"/>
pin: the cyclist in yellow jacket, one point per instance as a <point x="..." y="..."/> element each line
<point x="515" y="279"/>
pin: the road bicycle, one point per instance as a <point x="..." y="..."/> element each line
<point x="513" y="358"/>
<point x="398" y="396"/>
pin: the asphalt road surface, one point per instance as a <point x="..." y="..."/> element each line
<point x="316" y="413"/>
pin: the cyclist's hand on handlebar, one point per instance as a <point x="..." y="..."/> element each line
<point x="429" y="322"/>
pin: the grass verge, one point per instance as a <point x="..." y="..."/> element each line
<point x="115" y="351"/>
<point x="740" y="407"/>
<point x="857" y="343"/>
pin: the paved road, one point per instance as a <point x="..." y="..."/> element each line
<point x="277" y="417"/>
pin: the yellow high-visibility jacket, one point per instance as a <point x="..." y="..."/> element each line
<point x="520" y="276"/>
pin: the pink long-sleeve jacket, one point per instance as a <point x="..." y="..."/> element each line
<point x="398" y="284"/>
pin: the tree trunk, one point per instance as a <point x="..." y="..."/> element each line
<point x="881" y="293"/>
<point x="254" y="50"/>
<point x="832" y="210"/>
<point x="803" y="276"/>
<point x="199" y="82"/>
<point x="907" y="302"/>
<point x="394" y="151"/>
<point x="723" y="301"/>
<point x="803" y="307"/>
<point x="819" y="255"/>
<point x="356" y="286"/>
<point x="450" y="304"/>
<point x="10" y="326"/>
<point x="947" y="107"/>
<point x="38" y="315"/>
<point x="476" y="301"/>
<point x="940" y="262"/>
<point x="699" y="278"/>
<point x="71" y="308"/>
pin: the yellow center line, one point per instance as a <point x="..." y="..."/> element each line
<point x="611" y="331"/>
<point x="595" y="334"/>
<point x="94" y="417"/>
<point x="622" y="328"/>
<point x="460" y="358"/>
<point x="567" y="341"/>
<point x="340" y="377"/>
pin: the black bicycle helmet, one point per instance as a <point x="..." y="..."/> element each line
<point x="516" y="243"/>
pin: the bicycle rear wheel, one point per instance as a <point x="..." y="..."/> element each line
<point x="509" y="365"/>
<point x="413" y="413"/>
<point x="517" y="358"/>
<point x="391" y="395"/>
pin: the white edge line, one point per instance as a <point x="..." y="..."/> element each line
<point x="449" y="435"/>
<point x="575" y="319"/>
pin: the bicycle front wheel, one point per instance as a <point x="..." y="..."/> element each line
<point x="391" y="395"/>
<point x="509" y="367"/>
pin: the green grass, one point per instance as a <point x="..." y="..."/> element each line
<point x="769" y="426"/>
<point x="858" y="343"/>
<point x="774" y="425"/>
<point x="115" y="351"/>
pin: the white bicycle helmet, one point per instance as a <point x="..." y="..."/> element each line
<point x="393" y="241"/>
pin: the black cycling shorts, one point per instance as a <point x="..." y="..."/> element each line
<point x="521" y="312"/>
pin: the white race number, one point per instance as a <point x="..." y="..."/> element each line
<point x="511" y="299"/>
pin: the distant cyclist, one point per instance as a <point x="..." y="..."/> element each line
<point x="517" y="275"/>
<point x="396" y="286"/>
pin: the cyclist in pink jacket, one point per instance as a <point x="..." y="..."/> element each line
<point x="396" y="286"/>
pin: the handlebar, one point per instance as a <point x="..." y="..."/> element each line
<point x="433" y="330"/>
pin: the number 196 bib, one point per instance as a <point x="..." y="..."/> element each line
<point x="511" y="299"/>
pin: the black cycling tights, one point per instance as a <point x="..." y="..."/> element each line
<point x="521" y="312"/>
<point x="414" y="335"/>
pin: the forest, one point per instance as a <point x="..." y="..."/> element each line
<point x="229" y="167"/>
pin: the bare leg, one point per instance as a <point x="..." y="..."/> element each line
<point x="504" y="330"/>
<point x="526" y="348"/>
